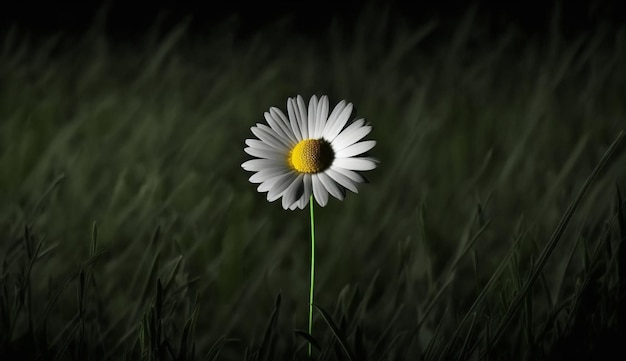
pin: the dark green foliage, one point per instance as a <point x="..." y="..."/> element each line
<point x="491" y="230"/>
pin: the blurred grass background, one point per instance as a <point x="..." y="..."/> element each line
<point x="129" y="152"/>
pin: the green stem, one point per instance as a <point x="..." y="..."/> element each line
<point x="312" y="272"/>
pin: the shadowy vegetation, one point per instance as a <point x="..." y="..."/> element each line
<point x="493" y="228"/>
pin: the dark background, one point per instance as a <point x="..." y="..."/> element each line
<point x="126" y="18"/>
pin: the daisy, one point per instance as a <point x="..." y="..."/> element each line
<point x="309" y="152"/>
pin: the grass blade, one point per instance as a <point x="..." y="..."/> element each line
<point x="554" y="240"/>
<point x="336" y="332"/>
<point x="309" y="338"/>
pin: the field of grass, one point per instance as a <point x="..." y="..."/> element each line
<point x="490" y="230"/>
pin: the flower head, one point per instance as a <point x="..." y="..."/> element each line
<point x="309" y="152"/>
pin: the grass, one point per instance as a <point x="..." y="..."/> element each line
<point x="492" y="228"/>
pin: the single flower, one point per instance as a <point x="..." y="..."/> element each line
<point x="309" y="152"/>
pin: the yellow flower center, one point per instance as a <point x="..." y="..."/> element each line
<point x="311" y="156"/>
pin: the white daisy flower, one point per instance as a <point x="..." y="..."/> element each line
<point x="309" y="152"/>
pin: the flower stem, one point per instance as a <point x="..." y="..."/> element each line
<point x="312" y="272"/>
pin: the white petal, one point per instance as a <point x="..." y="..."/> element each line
<point x="312" y="116"/>
<point x="355" y="149"/>
<point x="355" y="163"/>
<point x="271" y="182"/>
<point x="293" y="192"/>
<point x="282" y="118"/>
<point x="306" y="196"/>
<point x="331" y="186"/>
<point x="334" y="114"/>
<point x="264" y="153"/>
<point x="352" y="175"/>
<point x="306" y="193"/>
<point x="255" y="143"/>
<point x="293" y="119"/>
<point x="265" y="174"/>
<point x="270" y="138"/>
<point x="302" y="117"/>
<point x="319" y="191"/>
<point x="322" y="115"/>
<point x="350" y="136"/>
<point x="277" y="124"/>
<point x="342" y="179"/>
<point x="348" y="129"/>
<point x="332" y="129"/>
<point x="280" y="186"/>
<point x="255" y="165"/>
<point x="283" y="139"/>
<point x="355" y="124"/>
